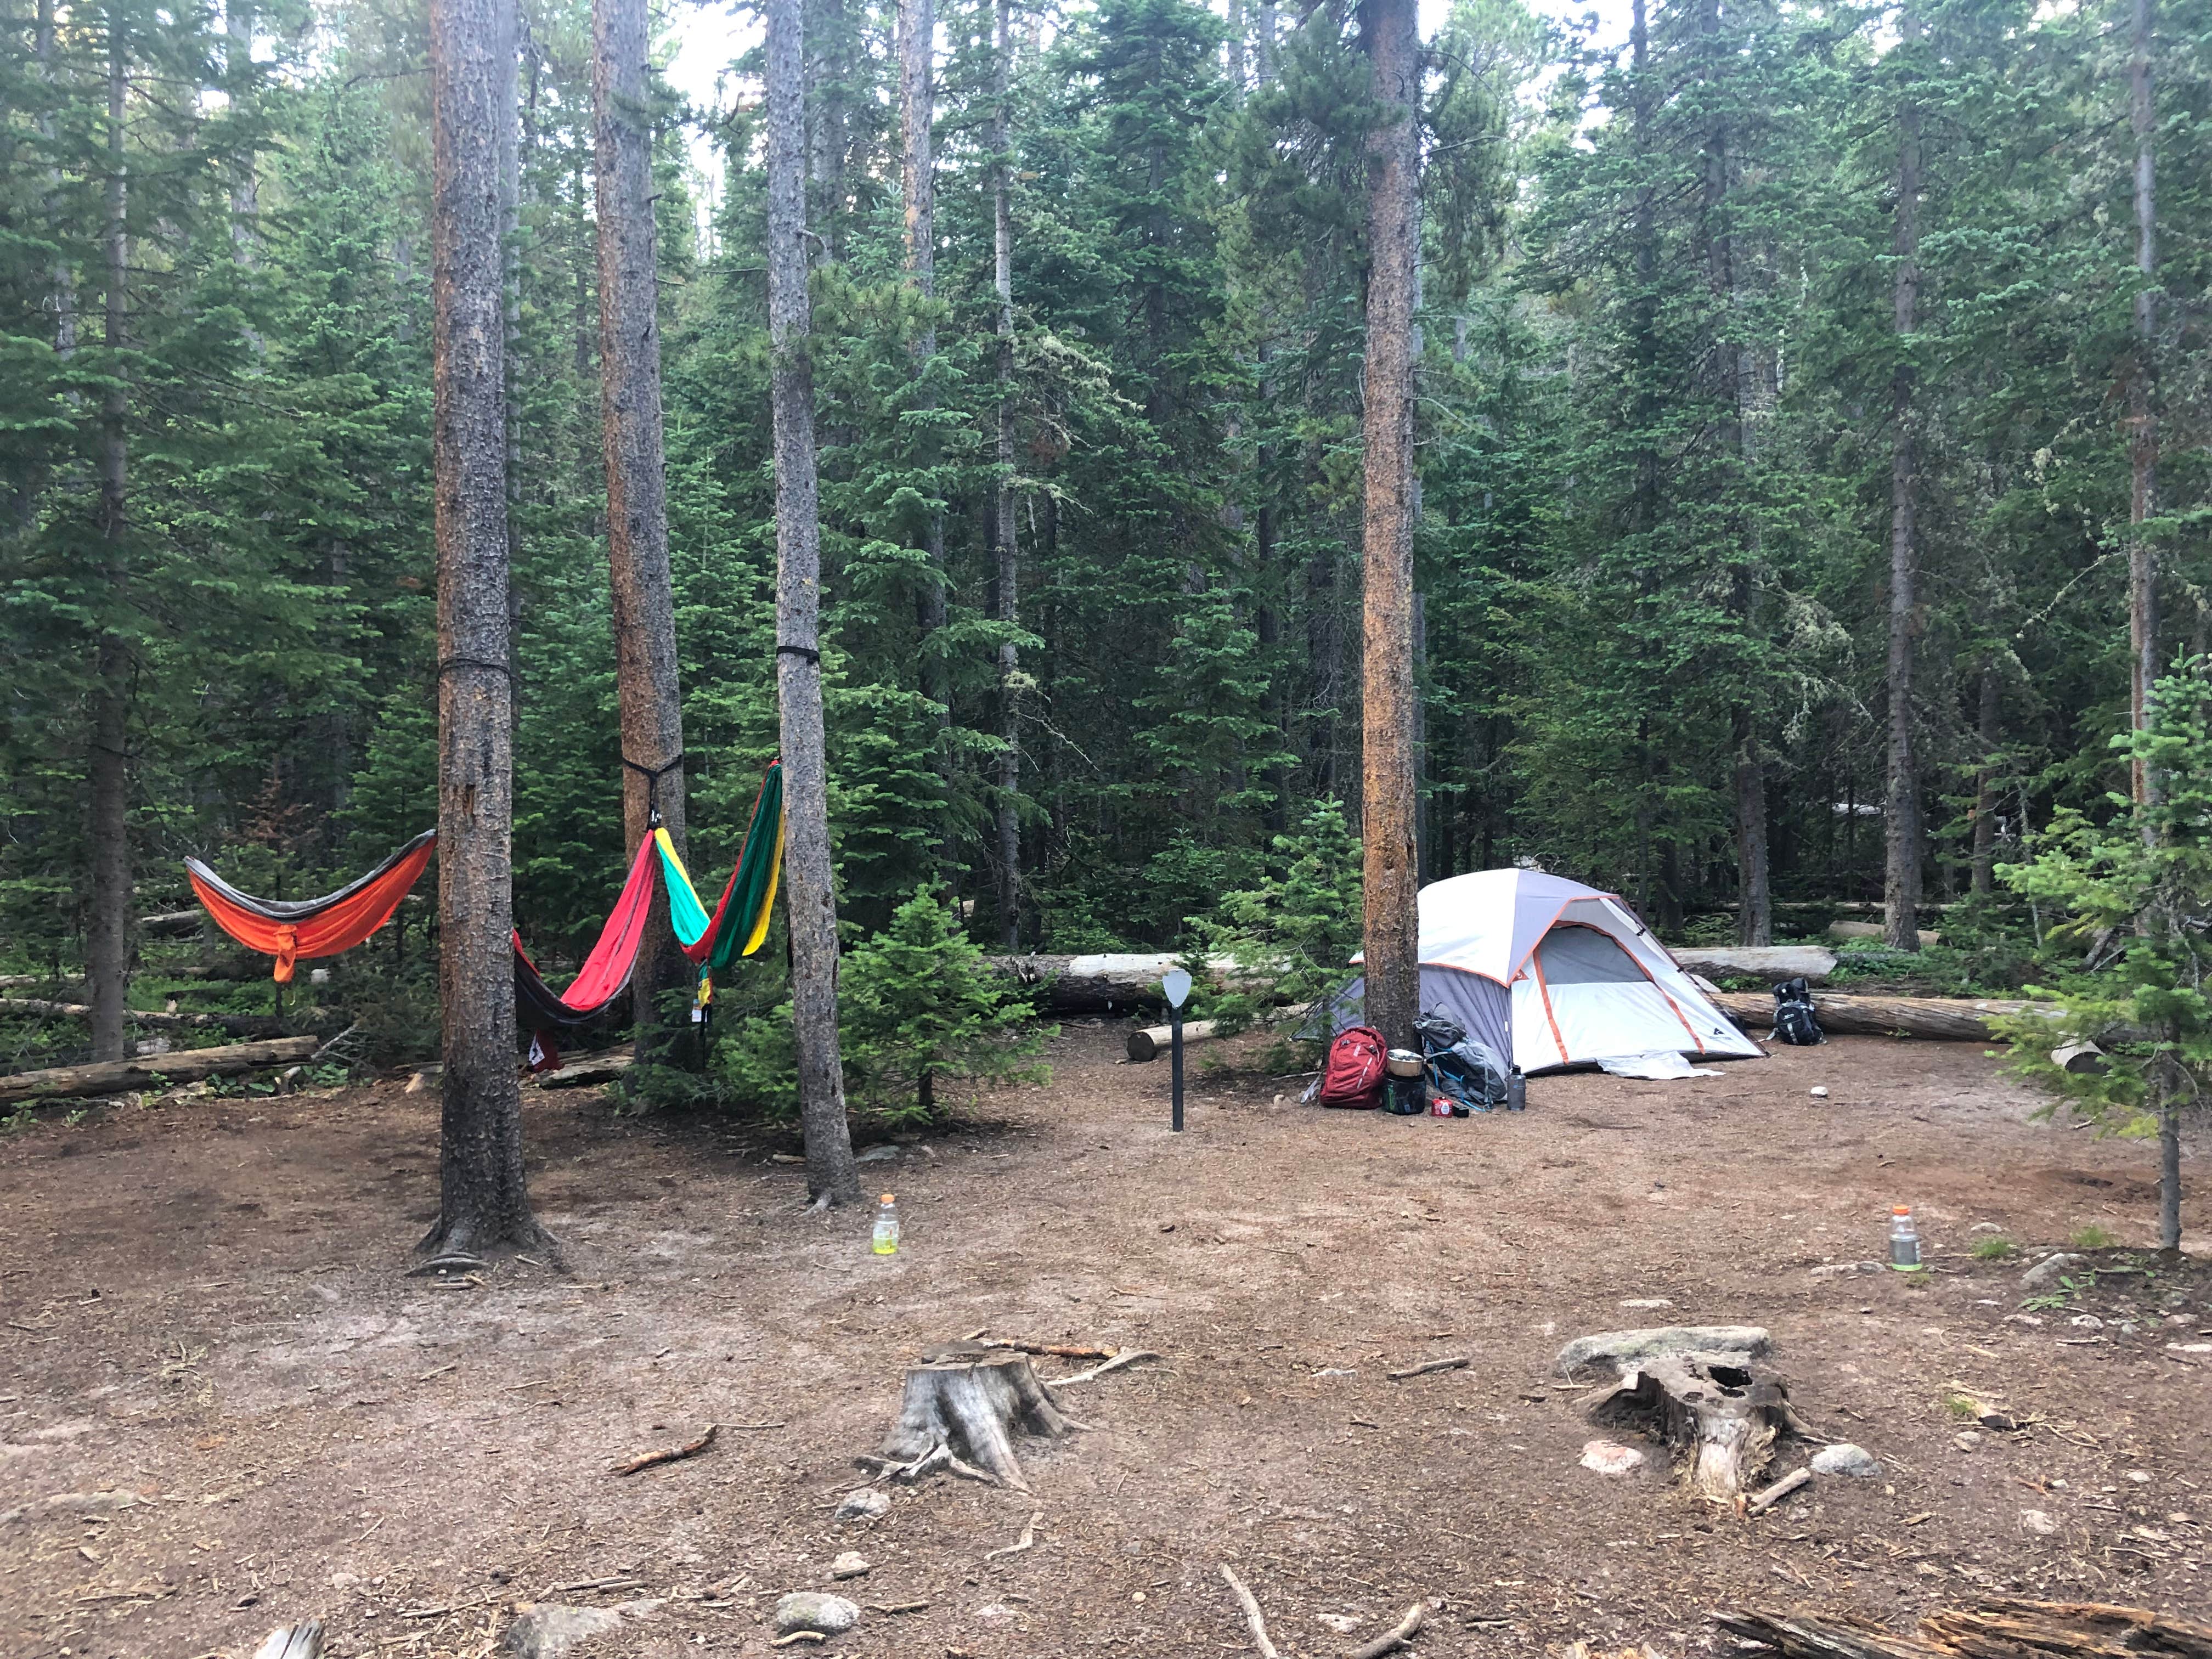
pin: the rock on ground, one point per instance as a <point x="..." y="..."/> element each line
<point x="833" y="1615"/>
<point x="1622" y="1347"/>
<point x="865" y="1503"/>
<point x="851" y="1564"/>
<point x="546" y="1630"/>
<point x="2050" y="1270"/>
<point x="1844" y="1458"/>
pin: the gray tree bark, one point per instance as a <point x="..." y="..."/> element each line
<point x="1390" y="37"/>
<point x="2142" y="423"/>
<point x="1982" y="877"/>
<point x="646" y="664"/>
<point x="107" y="927"/>
<point x="1901" y="876"/>
<point x="1007" y="549"/>
<point x="482" y="1200"/>
<point x="918" y="193"/>
<point x="810" y="897"/>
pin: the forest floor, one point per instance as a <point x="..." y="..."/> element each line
<point x="208" y="1323"/>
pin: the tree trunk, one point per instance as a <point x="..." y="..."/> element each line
<point x="1754" y="885"/>
<point x="107" y="929"/>
<point x="1007" y="552"/>
<point x="61" y="277"/>
<point x="811" y="899"/>
<point x="918" y="189"/>
<point x="1983" y="882"/>
<point x="482" y="1200"/>
<point x="1391" y="40"/>
<point x="2142" y="422"/>
<point x="245" y="186"/>
<point x="1263" y="44"/>
<point x="970" y="1401"/>
<point x="1901" y="875"/>
<point x="646" y="664"/>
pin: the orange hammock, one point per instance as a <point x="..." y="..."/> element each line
<point x="292" y="929"/>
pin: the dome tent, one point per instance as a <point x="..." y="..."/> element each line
<point x="1556" y="974"/>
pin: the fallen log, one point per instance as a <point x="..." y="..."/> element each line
<point x="115" y="1077"/>
<point x="236" y="1024"/>
<point x="1149" y="1042"/>
<point x="1775" y="962"/>
<point x="1998" y="1629"/>
<point x="1105" y="983"/>
<point x="1956" y="1019"/>
<point x="173" y="923"/>
<point x="1878" y="929"/>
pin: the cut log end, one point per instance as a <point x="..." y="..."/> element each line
<point x="970" y="1401"/>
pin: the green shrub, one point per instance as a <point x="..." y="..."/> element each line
<point x="1292" y="936"/>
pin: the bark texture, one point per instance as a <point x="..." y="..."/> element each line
<point x="113" y="1077"/>
<point x="917" y="44"/>
<point x="1392" y="45"/>
<point x="483" y="1200"/>
<point x="971" y="1401"/>
<point x="1006" y="550"/>
<point x="811" y="901"/>
<point x="1982" y="879"/>
<point x="107" y="924"/>
<point x="2142" y="423"/>
<point x="1901" y="874"/>
<point x="647" y="687"/>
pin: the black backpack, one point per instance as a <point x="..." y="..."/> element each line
<point x="1794" y="1020"/>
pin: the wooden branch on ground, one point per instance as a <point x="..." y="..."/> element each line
<point x="236" y="1024"/>
<point x="1450" y="1363"/>
<point x="1759" y="1503"/>
<point x="1127" y="1357"/>
<point x="1057" y="1350"/>
<point x="1391" y="1640"/>
<point x="1028" y="1540"/>
<point x="1998" y="1629"/>
<point x="1149" y="1042"/>
<point x="1253" y="1620"/>
<point x="173" y="923"/>
<point x="1945" y="1018"/>
<point x="667" y="1455"/>
<point x="115" y="1077"/>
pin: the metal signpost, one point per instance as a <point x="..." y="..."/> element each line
<point x="1176" y="984"/>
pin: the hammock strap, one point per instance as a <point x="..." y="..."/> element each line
<point x="652" y="775"/>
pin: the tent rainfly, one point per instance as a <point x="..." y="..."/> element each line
<point x="1556" y="974"/>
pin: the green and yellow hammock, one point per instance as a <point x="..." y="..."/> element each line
<point x="738" y="927"/>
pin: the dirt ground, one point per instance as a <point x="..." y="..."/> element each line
<point x="212" y="1346"/>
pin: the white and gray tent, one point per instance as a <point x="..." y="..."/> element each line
<point x="1556" y="974"/>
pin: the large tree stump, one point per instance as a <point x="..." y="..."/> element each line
<point x="1719" y="1410"/>
<point x="970" y="1401"/>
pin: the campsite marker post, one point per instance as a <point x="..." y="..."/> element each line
<point x="1176" y="984"/>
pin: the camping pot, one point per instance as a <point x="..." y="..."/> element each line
<point x="1403" y="1062"/>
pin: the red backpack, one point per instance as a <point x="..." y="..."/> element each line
<point x="1353" y="1074"/>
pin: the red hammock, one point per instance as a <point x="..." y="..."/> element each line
<point x="604" y="976"/>
<point x="291" y="929"/>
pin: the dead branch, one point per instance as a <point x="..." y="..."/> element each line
<point x="798" y="1635"/>
<point x="1127" y="1357"/>
<point x="1028" y="1540"/>
<point x="1391" y="1640"/>
<point x="1057" y="1350"/>
<point x="667" y="1455"/>
<point x="1759" y="1503"/>
<point x="1257" y="1624"/>
<point x="1453" y="1363"/>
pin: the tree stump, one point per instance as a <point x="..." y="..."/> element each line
<point x="970" y="1401"/>
<point x="1720" y="1410"/>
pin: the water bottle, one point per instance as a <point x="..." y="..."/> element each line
<point x="1517" y="1092"/>
<point x="887" y="1226"/>
<point x="1904" y="1241"/>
